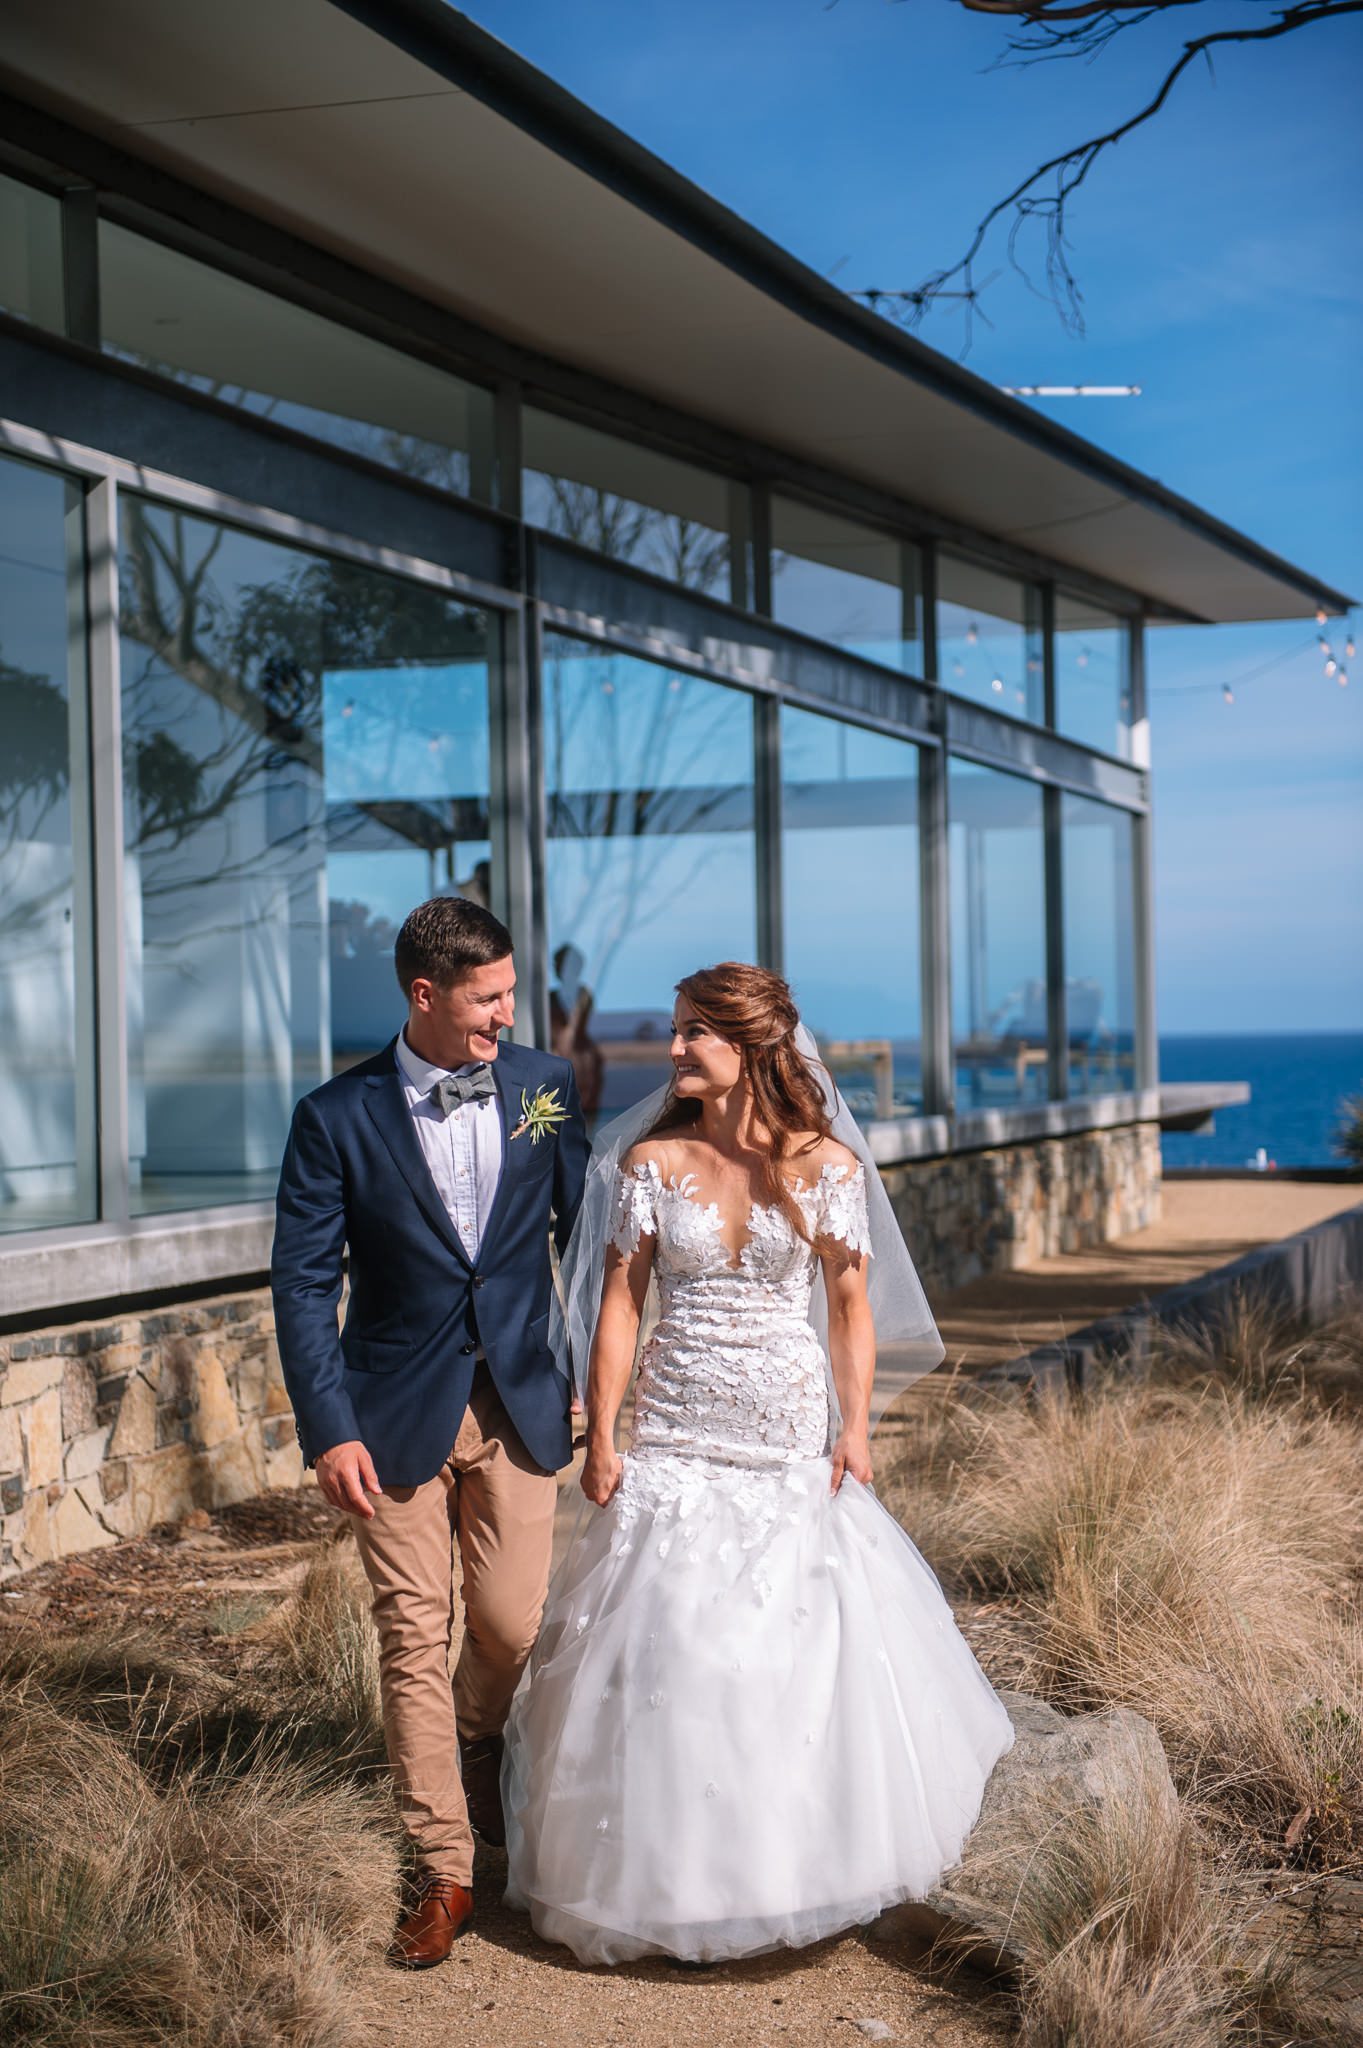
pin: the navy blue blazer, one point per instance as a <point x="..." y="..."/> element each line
<point x="397" y="1377"/>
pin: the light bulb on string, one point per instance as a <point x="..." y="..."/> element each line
<point x="958" y="668"/>
<point x="1228" y="693"/>
<point x="997" y="685"/>
<point x="1322" y="643"/>
<point x="1321" y="618"/>
<point x="972" y="634"/>
<point x="1330" y="667"/>
<point x="1081" y="660"/>
<point x="1349" y="646"/>
<point x="1343" y="677"/>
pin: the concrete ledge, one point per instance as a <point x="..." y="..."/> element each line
<point x="1177" y="1106"/>
<point x="57" y="1269"/>
<point x="1307" y="1275"/>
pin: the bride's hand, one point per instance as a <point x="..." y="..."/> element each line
<point x="601" y="1473"/>
<point x="850" y="1455"/>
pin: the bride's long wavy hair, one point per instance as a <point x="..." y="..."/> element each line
<point x="753" y="1008"/>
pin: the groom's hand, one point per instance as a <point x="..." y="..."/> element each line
<point x="346" y="1474"/>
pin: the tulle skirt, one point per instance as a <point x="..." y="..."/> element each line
<point x="749" y="1721"/>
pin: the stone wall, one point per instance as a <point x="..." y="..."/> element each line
<point x="988" y="1212"/>
<point x="109" y="1428"/>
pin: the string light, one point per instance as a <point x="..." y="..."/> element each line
<point x="997" y="685"/>
<point x="1349" y="647"/>
<point x="972" y="634"/>
<point x="1343" y="677"/>
<point x="1228" y="693"/>
<point x="1330" y="667"/>
<point x="1321" y="617"/>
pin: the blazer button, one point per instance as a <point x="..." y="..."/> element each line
<point x="466" y="1348"/>
<point x="477" y="1279"/>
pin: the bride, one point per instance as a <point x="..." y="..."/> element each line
<point x="749" y="1720"/>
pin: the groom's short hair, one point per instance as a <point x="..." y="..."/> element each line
<point x="445" y="939"/>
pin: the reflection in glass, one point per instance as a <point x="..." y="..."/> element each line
<point x="846" y="583"/>
<point x="989" y="643"/>
<point x="998" y="937"/>
<point x="186" y="320"/>
<point x="626" y="501"/>
<point x="305" y="758"/>
<point x="1098" y="857"/>
<point x="31" y="255"/>
<point x="849" y="855"/>
<point x="650" y="858"/>
<point x="1092" y="676"/>
<point x="47" y="1122"/>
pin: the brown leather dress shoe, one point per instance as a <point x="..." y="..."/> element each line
<point x="427" y="1934"/>
<point x="480" y="1767"/>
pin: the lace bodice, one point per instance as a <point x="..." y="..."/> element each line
<point x="733" y="1372"/>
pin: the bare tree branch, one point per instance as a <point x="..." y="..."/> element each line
<point x="1099" y="21"/>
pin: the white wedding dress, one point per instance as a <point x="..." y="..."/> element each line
<point x="749" y="1720"/>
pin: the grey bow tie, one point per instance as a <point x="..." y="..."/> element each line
<point x="459" y="1088"/>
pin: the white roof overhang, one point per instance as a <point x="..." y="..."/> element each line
<point x="399" y="136"/>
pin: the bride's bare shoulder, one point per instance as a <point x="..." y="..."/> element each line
<point x="826" y="1152"/>
<point x="659" y="1152"/>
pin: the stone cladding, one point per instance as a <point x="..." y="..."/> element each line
<point x="108" y="1428"/>
<point x="988" y="1212"/>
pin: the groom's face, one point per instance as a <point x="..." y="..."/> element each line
<point x="452" y="1026"/>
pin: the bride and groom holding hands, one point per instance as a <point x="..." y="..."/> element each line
<point x="744" y="1718"/>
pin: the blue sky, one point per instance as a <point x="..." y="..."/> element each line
<point x="1219" y="254"/>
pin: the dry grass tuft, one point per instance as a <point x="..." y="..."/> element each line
<point x="1188" y="1544"/>
<point x="186" y="1862"/>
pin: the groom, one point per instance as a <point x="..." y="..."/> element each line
<point x="438" y="1415"/>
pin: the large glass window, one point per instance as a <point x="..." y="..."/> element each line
<point x="31" y="255"/>
<point x="650" y="863"/>
<point x="998" y="937"/>
<point x="850" y="880"/>
<point x="846" y="583"/>
<point x="989" y="638"/>
<point x="47" y="1120"/>
<point x="305" y="758"/>
<point x="1092" y="676"/>
<point x="210" y="330"/>
<point x="626" y="501"/>
<point x="1098" y="857"/>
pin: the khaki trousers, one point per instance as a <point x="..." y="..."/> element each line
<point x="497" y="1504"/>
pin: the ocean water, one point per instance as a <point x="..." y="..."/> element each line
<point x="1297" y="1083"/>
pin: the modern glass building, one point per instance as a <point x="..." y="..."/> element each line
<point x="409" y="484"/>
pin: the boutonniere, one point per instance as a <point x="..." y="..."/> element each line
<point x="540" y="1116"/>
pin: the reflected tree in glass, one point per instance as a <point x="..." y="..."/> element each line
<point x="233" y="651"/>
<point x="998" y="937"/>
<point x="650" y="856"/>
<point x="849" y="806"/>
<point x="47" y="1115"/>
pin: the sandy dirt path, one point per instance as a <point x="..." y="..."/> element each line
<point x="502" y="1988"/>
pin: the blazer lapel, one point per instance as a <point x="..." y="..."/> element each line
<point x="387" y="1105"/>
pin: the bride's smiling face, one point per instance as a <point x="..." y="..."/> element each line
<point x="703" y="1063"/>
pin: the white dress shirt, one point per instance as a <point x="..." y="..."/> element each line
<point x="463" y="1149"/>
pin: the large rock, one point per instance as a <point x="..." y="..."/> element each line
<point x="1057" y="1764"/>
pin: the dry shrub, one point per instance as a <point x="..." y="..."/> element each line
<point x="1190" y="1553"/>
<point x="328" y="1637"/>
<point x="184" y="1862"/>
<point x="1265" y="1351"/>
<point x="1124" y="1945"/>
